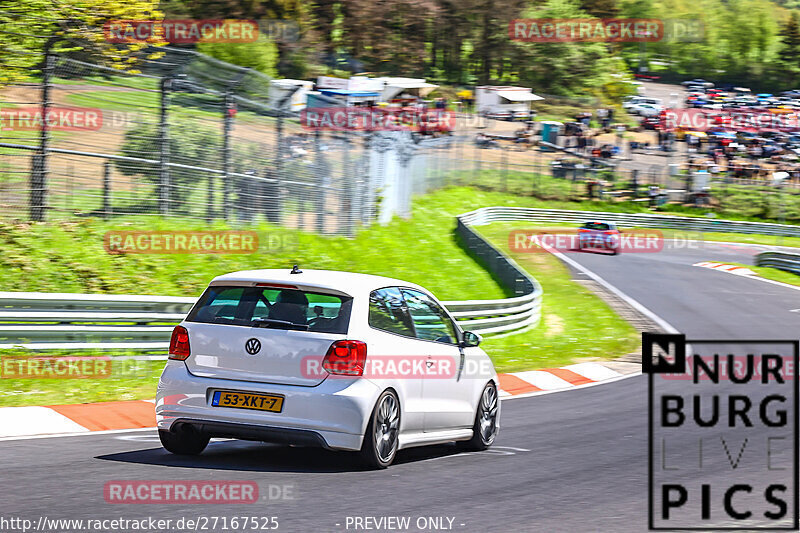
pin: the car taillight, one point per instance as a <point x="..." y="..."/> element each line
<point x="582" y="230"/>
<point x="346" y="358"/>
<point x="179" y="344"/>
<point x="612" y="232"/>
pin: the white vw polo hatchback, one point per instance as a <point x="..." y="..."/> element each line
<point x="323" y="358"/>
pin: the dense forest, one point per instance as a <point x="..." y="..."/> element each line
<point x="461" y="42"/>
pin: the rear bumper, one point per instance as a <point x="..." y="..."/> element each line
<point x="333" y="414"/>
<point x="228" y="430"/>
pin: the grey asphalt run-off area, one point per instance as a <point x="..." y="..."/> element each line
<point x="569" y="461"/>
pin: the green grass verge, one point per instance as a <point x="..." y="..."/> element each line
<point x="126" y="380"/>
<point x="69" y="257"/>
<point x="773" y="274"/>
<point x="571" y="315"/>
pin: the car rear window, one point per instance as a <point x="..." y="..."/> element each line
<point x="600" y="226"/>
<point x="245" y="306"/>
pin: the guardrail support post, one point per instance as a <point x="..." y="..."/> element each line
<point x="107" y="210"/>
<point x="346" y="198"/>
<point x="229" y="110"/>
<point x="163" y="141"/>
<point x="505" y="169"/>
<point x="321" y="170"/>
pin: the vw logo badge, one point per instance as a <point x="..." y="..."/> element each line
<point x="253" y="346"/>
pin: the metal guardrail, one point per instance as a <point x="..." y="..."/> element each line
<point x="143" y="323"/>
<point x="486" y="215"/>
<point x="781" y="260"/>
<point x="85" y="321"/>
<point x="496" y="316"/>
<point x="66" y="321"/>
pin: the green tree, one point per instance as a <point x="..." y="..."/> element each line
<point x="195" y="144"/>
<point x="600" y="8"/>
<point x="291" y="48"/>
<point x="789" y="54"/>
<point x="27" y="25"/>
<point x="567" y="67"/>
<point x="261" y="55"/>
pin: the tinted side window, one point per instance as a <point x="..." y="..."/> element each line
<point x="430" y="321"/>
<point x="387" y="312"/>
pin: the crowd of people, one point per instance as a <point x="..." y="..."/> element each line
<point x="754" y="158"/>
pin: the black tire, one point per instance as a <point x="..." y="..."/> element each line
<point x="183" y="442"/>
<point x="384" y="426"/>
<point x="484" y="430"/>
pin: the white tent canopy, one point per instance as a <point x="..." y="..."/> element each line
<point x="519" y="96"/>
<point x="395" y="86"/>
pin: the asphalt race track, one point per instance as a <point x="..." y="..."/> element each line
<point x="570" y="461"/>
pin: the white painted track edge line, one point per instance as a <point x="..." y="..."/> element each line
<point x="630" y="301"/>
<point x="80" y="434"/>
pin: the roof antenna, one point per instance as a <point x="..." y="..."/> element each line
<point x="296" y="270"/>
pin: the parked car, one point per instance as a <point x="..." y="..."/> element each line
<point x="651" y="122"/>
<point x="631" y="101"/>
<point x="699" y="82"/>
<point x="599" y="235"/>
<point x="303" y="358"/>
<point x="499" y="115"/>
<point x="647" y="110"/>
<point x="639" y="100"/>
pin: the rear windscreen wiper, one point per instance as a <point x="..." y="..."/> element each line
<point x="279" y="324"/>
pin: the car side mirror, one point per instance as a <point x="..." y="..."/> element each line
<point x="470" y="339"/>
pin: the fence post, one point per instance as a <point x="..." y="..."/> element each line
<point x="505" y="168"/>
<point x="229" y="111"/>
<point x="346" y="198"/>
<point x="321" y="170"/>
<point x="163" y="140"/>
<point x="38" y="187"/>
<point x="107" y="210"/>
<point x="478" y="163"/>
<point x="278" y="153"/>
<point x="272" y="198"/>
